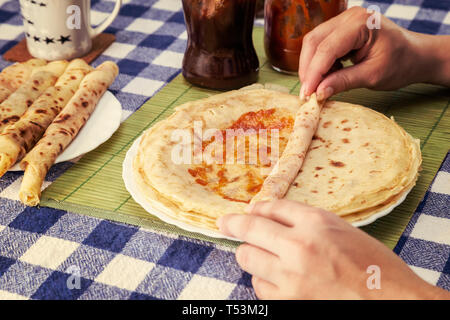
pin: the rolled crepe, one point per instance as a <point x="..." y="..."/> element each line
<point x="63" y="130"/>
<point x="12" y="77"/>
<point x="289" y="164"/>
<point x="19" y="137"/>
<point x="18" y="102"/>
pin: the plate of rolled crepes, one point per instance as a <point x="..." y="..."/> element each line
<point x="53" y="112"/>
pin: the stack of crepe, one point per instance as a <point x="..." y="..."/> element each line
<point x="43" y="107"/>
<point x="341" y="157"/>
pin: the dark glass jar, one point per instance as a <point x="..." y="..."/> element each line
<point x="220" y="52"/>
<point x="285" y="24"/>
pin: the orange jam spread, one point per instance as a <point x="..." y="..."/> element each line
<point x="241" y="179"/>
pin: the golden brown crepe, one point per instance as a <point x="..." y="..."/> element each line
<point x="18" y="138"/>
<point x="358" y="163"/>
<point x="18" y="102"/>
<point x="63" y="130"/>
<point x="280" y="179"/>
<point x="358" y="159"/>
<point x="14" y="76"/>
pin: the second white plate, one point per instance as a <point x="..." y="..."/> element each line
<point x="101" y="125"/>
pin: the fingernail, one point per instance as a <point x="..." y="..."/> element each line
<point x="249" y="208"/>
<point x="320" y="95"/>
<point x="219" y="223"/>
<point x="302" y="92"/>
<point x="222" y="224"/>
<point x="328" y="92"/>
<point x="325" y="93"/>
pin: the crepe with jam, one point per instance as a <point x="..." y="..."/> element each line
<point x="357" y="163"/>
<point x="288" y="165"/>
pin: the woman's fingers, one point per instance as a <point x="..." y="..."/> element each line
<point x="311" y="41"/>
<point x="334" y="46"/>
<point x="309" y="46"/>
<point x="258" y="262"/>
<point x="282" y="211"/>
<point x="356" y="76"/>
<point x="256" y="230"/>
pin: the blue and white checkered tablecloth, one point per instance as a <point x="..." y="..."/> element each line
<point x="425" y="243"/>
<point x="53" y="254"/>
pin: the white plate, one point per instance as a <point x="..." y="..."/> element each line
<point x="101" y="125"/>
<point x="131" y="186"/>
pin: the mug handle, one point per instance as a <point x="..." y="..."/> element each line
<point x="105" y="24"/>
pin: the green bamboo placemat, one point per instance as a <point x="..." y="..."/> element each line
<point x="94" y="186"/>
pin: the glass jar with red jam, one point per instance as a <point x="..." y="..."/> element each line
<point x="285" y="24"/>
<point x="220" y="52"/>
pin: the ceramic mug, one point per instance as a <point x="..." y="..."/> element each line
<point x="61" y="29"/>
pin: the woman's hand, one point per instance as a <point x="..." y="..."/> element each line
<point x="387" y="58"/>
<point x="295" y="251"/>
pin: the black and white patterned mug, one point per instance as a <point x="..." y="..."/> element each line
<point x="61" y="29"/>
